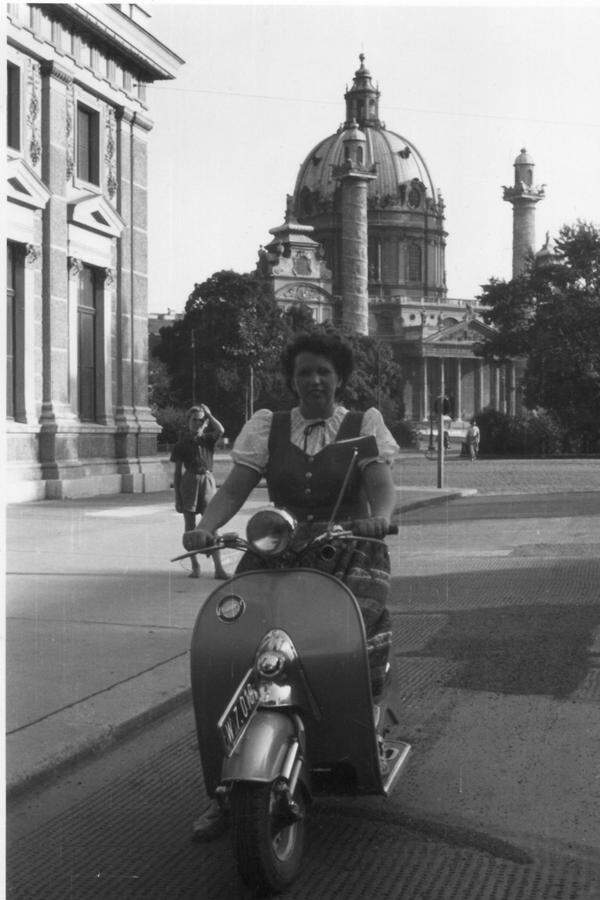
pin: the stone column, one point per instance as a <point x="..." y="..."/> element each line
<point x="478" y="386"/>
<point x="425" y="383"/>
<point x="496" y="380"/>
<point x="512" y="389"/>
<point x="458" y="410"/>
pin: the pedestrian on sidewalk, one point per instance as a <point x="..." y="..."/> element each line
<point x="194" y="481"/>
<point x="473" y="437"/>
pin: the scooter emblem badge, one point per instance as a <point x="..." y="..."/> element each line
<point x="230" y="608"/>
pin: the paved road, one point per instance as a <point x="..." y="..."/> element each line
<point x="496" y="619"/>
<point x="505" y="476"/>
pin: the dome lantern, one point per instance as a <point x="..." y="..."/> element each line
<point x="362" y="100"/>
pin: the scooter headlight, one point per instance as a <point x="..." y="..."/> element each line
<point x="270" y="531"/>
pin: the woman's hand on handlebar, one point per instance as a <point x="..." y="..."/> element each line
<point x="198" y="539"/>
<point x="374" y="527"/>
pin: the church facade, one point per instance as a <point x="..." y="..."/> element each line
<point x="77" y="417"/>
<point x="368" y="222"/>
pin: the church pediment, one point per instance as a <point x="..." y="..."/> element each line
<point x="469" y="330"/>
<point x="24" y="186"/>
<point x="95" y="213"/>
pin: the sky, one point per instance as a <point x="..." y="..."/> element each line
<point x="468" y="85"/>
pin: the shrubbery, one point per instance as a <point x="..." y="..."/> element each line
<point x="406" y="434"/>
<point x="529" y="434"/>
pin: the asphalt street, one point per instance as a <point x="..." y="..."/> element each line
<point x="496" y="622"/>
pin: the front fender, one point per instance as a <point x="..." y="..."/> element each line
<point x="262" y="751"/>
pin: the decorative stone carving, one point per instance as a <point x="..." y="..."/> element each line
<point x="33" y="111"/>
<point x="32" y="253"/>
<point x="301" y="265"/>
<point x="110" y="153"/>
<point x="75" y="266"/>
<point x="303" y="292"/>
<point x="109" y="278"/>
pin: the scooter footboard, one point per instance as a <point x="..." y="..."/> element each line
<point x="264" y="750"/>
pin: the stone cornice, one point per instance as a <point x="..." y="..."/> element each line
<point x="51" y="69"/>
<point x="154" y="59"/>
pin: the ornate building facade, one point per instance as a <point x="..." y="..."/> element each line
<point x="367" y="204"/>
<point x="77" y="417"/>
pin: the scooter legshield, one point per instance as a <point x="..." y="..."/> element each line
<point x="323" y="620"/>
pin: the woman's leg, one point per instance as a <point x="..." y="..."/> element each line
<point x="189" y="519"/>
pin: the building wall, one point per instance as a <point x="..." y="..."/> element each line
<point x="77" y="216"/>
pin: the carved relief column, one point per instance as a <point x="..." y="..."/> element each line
<point x="55" y="319"/>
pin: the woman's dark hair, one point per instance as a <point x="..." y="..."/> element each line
<point x="330" y="345"/>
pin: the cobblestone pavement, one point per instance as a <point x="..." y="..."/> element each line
<point x="490" y="476"/>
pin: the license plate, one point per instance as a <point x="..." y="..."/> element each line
<point x="239" y="713"/>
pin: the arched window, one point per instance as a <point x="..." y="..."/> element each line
<point x="359" y="156"/>
<point x="414" y="262"/>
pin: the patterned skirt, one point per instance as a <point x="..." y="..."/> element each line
<point x="364" y="567"/>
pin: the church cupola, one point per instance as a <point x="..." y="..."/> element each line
<point x="362" y="100"/>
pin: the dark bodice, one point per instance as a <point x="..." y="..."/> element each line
<point x="308" y="486"/>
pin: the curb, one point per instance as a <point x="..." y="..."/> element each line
<point x="96" y="723"/>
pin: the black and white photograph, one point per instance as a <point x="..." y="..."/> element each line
<point x="301" y="451"/>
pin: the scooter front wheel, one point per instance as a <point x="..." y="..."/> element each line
<point x="268" y="841"/>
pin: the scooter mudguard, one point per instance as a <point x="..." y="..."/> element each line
<point x="263" y="749"/>
<point x="323" y="620"/>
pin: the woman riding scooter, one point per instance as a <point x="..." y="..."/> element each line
<point x="296" y="452"/>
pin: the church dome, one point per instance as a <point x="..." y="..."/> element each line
<point x="398" y="163"/>
<point x="406" y="236"/>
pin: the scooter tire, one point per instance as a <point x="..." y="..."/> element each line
<point x="268" y="853"/>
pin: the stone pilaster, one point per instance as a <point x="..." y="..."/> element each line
<point x="55" y="308"/>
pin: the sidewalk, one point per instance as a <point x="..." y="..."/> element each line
<point x="99" y="621"/>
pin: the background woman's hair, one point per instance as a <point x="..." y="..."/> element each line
<point x="192" y="409"/>
<point x="330" y="345"/>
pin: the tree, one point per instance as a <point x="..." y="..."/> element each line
<point x="225" y="346"/>
<point x="550" y="315"/>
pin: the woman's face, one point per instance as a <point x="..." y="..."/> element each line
<point x="316" y="382"/>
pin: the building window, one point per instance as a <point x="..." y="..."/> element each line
<point x="88" y="144"/>
<point x="414" y="262"/>
<point x="13" y="107"/>
<point x="87" y="329"/>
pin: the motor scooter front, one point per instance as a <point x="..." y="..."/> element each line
<point x="282" y="699"/>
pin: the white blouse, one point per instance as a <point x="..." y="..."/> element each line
<point x="252" y="445"/>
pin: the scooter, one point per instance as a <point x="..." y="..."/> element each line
<point x="282" y="699"/>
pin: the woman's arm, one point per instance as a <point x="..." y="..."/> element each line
<point x="216" y="426"/>
<point x="226" y="502"/>
<point x="177" y="486"/>
<point x="380" y="492"/>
